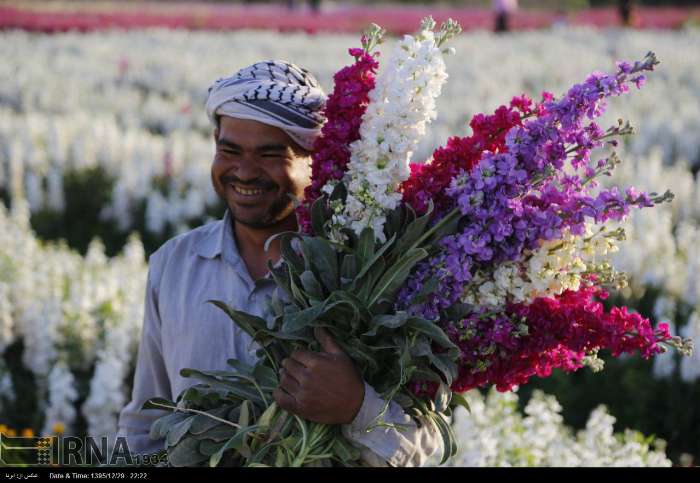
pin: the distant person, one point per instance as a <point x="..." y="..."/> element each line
<point x="315" y="5"/>
<point x="561" y="19"/>
<point x="625" y="8"/>
<point x="503" y="10"/>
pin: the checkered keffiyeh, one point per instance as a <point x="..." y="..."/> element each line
<point x="273" y="92"/>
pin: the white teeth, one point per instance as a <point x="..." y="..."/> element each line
<point x="248" y="192"/>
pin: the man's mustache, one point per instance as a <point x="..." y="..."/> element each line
<point x="255" y="183"/>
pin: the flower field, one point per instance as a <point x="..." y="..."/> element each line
<point x="336" y="18"/>
<point x="104" y="135"/>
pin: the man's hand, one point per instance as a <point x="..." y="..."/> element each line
<point x="323" y="387"/>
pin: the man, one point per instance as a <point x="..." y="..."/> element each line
<point x="503" y="10"/>
<point x="266" y="119"/>
<point x="624" y="10"/>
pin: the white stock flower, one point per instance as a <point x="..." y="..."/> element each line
<point x="556" y="266"/>
<point x="62" y="396"/>
<point x="400" y="107"/>
<point x="495" y="433"/>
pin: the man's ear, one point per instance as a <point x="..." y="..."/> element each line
<point x="216" y="135"/>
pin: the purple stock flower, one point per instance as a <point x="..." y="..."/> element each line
<point x="511" y="201"/>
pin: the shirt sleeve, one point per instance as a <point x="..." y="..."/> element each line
<point x="409" y="445"/>
<point x="150" y="378"/>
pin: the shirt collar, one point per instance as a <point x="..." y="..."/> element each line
<point x="211" y="245"/>
<point x="221" y="242"/>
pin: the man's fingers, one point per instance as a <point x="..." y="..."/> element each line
<point x="307" y="359"/>
<point x="295" y="369"/>
<point x="326" y="339"/>
<point x="288" y="383"/>
<point x="284" y="400"/>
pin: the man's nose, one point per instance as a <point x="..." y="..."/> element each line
<point x="248" y="168"/>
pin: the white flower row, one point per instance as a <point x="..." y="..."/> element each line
<point x="494" y="433"/>
<point x="71" y="101"/>
<point x="71" y="313"/>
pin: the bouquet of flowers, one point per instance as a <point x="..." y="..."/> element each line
<point x="484" y="266"/>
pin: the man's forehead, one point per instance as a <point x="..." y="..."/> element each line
<point x="249" y="131"/>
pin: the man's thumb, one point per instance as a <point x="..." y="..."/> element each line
<point x="326" y="341"/>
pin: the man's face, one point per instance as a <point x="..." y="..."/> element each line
<point x="255" y="167"/>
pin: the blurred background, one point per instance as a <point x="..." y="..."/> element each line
<point x="105" y="152"/>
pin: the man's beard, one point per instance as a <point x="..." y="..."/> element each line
<point x="279" y="210"/>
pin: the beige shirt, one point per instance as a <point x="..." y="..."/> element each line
<point x="181" y="330"/>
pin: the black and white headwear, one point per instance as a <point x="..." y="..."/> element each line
<point x="273" y="92"/>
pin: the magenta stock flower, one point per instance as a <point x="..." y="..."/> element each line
<point x="344" y="110"/>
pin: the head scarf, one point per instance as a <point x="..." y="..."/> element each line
<point x="273" y="92"/>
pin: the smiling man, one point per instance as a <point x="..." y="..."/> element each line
<point x="266" y="118"/>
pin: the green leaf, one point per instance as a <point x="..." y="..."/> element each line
<point x="236" y="388"/>
<point x="364" y="285"/>
<point x="235" y="442"/>
<point x="207" y="447"/>
<point x="325" y="260"/>
<point x="219" y="433"/>
<point x="279" y="425"/>
<point x="390" y="321"/>
<point x="302" y="319"/>
<point x="265" y="375"/>
<point x="459" y="400"/>
<point x="348" y="268"/>
<point x="432" y="330"/>
<point x="311" y="285"/>
<point x="394" y="221"/>
<point x="365" y="247"/>
<point x="344" y="451"/>
<point x="267" y="415"/>
<point x="249" y="323"/>
<point x="241" y="367"/>
<point x="186" y="453"/>
<point x="458" y="311"/>
<point x="403" y="400"/>
<point x="448" y="439"/>
<point x="396" y="275"/>
<point x="365" y="267"/>
<point x="442" y="398"/>
<point x="318" y="217"/>
<point x="340" y="192"/>
<point x="161" y="426"/>
<point x="445" y="365"/>
<point x="426" y="374"/>
<point x="421" y="348"/>
<point x="297" y="293"/>
<point x="281" y="277"/>
<point x="244" y="418"/>
<point x="349" y="308"/>
<point x="277" y="304"/>
<point x="203" y="423"/>
<point x="290" y="255"/>
<point x="413" y="231"/>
